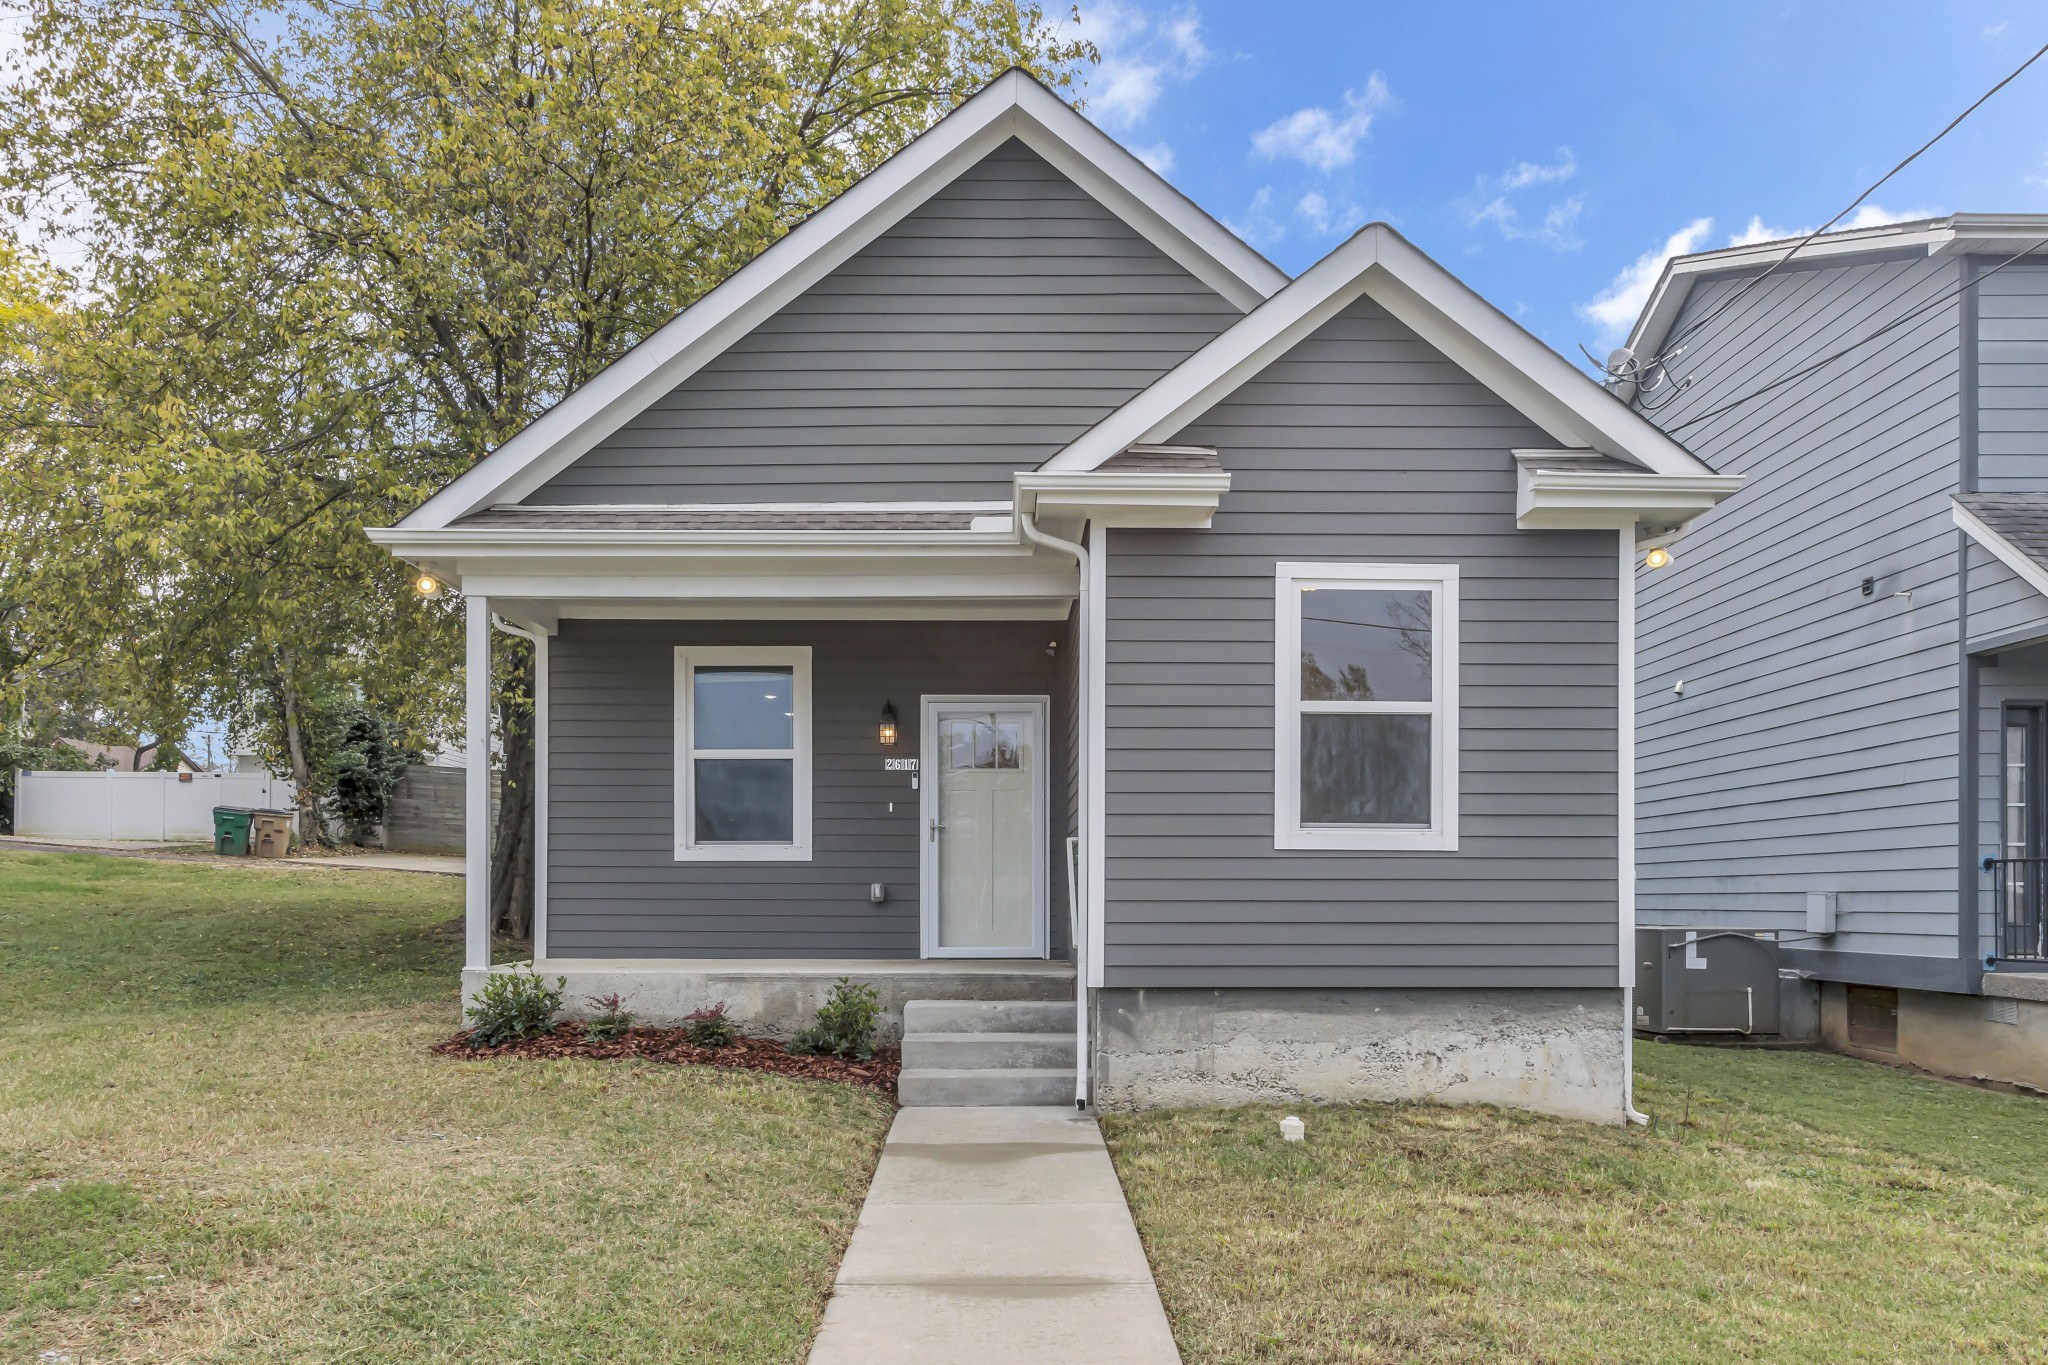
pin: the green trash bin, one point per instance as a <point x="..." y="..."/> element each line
<point x="231" y="830"/>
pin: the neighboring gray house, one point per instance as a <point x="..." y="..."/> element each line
<point x="1012" y="588"/>
<point x="1842" y="675"/>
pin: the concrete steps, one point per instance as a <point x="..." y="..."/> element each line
<point x="987" y="1052"/>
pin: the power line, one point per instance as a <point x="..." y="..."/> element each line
<point x="1864" y="340"/>
<point x="1664" y="351"/>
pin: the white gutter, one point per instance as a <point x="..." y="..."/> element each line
<point x="1078" y="904"/>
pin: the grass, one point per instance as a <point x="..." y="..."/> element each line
<point x="222" y="1138"/>
<point x="1784" y="1206"/>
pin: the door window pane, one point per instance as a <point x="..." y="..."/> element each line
<point x="745" y="800"/>
<point x="744" y="708"/>
<point x="1365" y="769"/>
<point x="1366" y="645"/>
<point x="1009" y="744"/>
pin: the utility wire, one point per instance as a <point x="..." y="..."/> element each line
<point x="1864" y="340"/>
<point x="1671" y="342"/>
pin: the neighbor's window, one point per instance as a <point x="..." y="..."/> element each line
<point x="743" y="754"/>
<point x="1366" y="713"/>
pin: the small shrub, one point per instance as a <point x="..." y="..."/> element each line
<point x="513" y="1005"/>
<point x="710" y="1026"/>
<point x="609" y="1017"/>
<point x="846" y="1024"/>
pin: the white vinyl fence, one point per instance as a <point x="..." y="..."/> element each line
<point x="113" y="805"/>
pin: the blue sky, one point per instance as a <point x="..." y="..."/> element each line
<point x="1553" y="155"/>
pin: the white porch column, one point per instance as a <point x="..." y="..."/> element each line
<point x="477" y="808"/>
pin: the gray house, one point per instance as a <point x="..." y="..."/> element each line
<point x="1843" y="674"/>
<point x="1165" y="680"/>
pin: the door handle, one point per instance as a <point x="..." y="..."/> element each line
<point x="936" y="827"/>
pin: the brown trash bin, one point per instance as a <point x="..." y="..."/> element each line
<point x="270" y="833"/>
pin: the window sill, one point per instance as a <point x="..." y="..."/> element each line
<point x="1365" y="840"/>
<point x="744" y="853"/>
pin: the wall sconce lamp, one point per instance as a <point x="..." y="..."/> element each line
<point x="886" y="732"/>
<point x="1657" y="558"/>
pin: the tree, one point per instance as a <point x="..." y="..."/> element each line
<point x="338" y="252"/>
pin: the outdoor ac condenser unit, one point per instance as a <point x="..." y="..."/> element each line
<point x="1706" y="980"/>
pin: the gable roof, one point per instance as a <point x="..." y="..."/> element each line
<point x="1379" y="263"/>
<point x="1014" y="105"/>
<point x="2013" y="527"/>
<point x="1991" y="234"/>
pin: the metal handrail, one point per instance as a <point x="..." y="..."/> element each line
<point x="2019" y="899"/>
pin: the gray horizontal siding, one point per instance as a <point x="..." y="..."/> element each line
<point x="995" y="323"/>
<point x="2003" y="606"/>
<point x="1361" y="445"/>
<point x="614" y="886"/>
<point x="2012" y="379"/>
<point x="1814" y="747"/>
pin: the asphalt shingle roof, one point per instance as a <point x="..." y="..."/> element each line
<point x="716" y="519"/>
<point x="2021" y="518"/>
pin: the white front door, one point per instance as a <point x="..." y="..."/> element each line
<point x="984" y="814"/>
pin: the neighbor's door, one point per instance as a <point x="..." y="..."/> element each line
<point x="984" y="811"/>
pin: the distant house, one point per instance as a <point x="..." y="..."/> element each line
<point x="1843" y="676"/>
<point x="126" y="758"/>
<point x="1164" y="680"/>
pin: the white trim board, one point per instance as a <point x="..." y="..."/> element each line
<point x="1445" y="312"/>
<point x="2007" y="553"/>
<point x="1012" y="105"/>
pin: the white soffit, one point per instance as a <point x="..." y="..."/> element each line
<point x="1012" y="105"/>
<point x="1379" y="263"/>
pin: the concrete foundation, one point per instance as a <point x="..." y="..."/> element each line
<point x="1553" y="1051"/>
<point x="774" y="997"/>
<point x="2001" y="1035"/>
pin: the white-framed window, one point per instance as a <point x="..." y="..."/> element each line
<point x="1366" y="707"/>
<point x="743" y="754"/>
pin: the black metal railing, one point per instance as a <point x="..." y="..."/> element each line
<point x="2019" y="895"/>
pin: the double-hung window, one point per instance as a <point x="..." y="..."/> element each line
<point x="1366" y="707"/>
<point x="743" y="754"/>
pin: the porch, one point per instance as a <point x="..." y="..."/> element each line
<point x="778" y="996"/>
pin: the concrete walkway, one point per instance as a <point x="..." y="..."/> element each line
<point x="994" y="1236"/>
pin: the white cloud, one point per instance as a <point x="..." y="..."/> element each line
<point x="1320" y="138"/>
<point x="1258" y="225"/>
<point x="1493" y="202"/>
<point x="1322" y="218"/>
<point x="1140" y="53"/>
<point x="1526" y="173"/>
<point x="1615" y="309"/>
<point x="1996" y="30"/>
<point x="1159" y="156"/>
<point x="1866" y="216"/>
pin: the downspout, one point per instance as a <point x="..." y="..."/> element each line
<point x="1625" y="809"/>
<point x="1077" y="896"/>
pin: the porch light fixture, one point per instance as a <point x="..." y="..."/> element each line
<point x="1657" y="558"/>
<point x="426" y="585"/>
<point x="887" y="731"/>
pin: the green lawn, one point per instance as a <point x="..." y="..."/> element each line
<point x="1813" y="1208"/>
<point x="222" y="1138"/>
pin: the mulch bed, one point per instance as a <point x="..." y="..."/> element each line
<point x="673" y="1045"/>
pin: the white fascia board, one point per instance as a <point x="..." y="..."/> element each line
<point x="1571" y="500"/>
<point x="1163" y="498"/>
<point x="2007" y="553"/>
<point x="1437" y="306"/>
<point x="1013" y="105"/>
<point x="1667" y="298"/>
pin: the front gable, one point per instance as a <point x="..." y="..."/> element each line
<point x="995" y="323"/>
